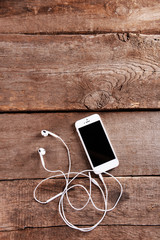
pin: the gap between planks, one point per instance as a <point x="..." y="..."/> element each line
<point x="60" y="178"/>
<point x="12" y="229"/>
<point x="129" y="110"/>
<point x="83" y="33"/>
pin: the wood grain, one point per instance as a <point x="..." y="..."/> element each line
<point x="134" y="135"/>
<point x="79" y="16"/>
<point x="96" y="72"/>
<point x="138" y="206"/>
<point x="110" y="233"/>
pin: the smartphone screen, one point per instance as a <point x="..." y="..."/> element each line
<point x="97" y="144"/>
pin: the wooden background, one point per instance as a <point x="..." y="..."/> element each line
<point x="61" y="61"/>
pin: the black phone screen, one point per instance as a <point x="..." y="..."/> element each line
<point x="97" y="144"/>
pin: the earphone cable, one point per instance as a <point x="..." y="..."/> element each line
<point x="68" y="187"/>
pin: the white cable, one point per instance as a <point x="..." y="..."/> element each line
<point x="68" y="186"/>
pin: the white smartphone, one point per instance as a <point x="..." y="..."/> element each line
<point x="96" y="144"/>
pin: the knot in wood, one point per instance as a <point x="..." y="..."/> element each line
<point x="96" y="100"/>
<point x="124" y="37"/>
<point x="122" y="10"/>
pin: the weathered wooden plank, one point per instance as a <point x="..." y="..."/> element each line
<point x="110" y="233"/>
<point x="79" y="72"/>
<point x="138" y="206"/>
<point x="79" y="16"/>
<point x="134" y="135"/>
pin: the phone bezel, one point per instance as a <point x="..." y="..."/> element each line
<point x="105" y="166"/>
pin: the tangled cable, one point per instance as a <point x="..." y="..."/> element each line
<point x="68" y="186"/>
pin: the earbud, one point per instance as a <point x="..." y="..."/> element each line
<point x="42" y="151"/>
<point x="44" y="133"/>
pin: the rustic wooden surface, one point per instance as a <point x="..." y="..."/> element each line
<point x="110" y="233"/>
<point x="23" y="211"/>
<point x="108" y="71"/>
<point x="20" y="138"/>
<point x="135" y="137"/>
<point x="79" y="16"/>
<point x="60" y="61"/>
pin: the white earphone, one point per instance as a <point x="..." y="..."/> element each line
<point x="68" y="186"/>
<point x="45" y="133"/>
<point x="42" y="152"/>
